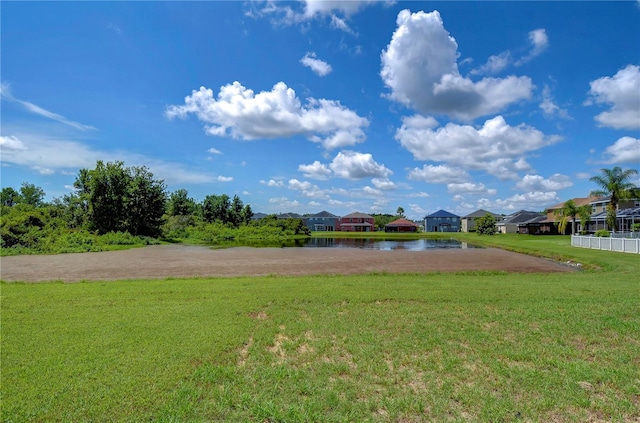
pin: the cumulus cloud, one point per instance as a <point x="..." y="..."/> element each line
<point x="440" y="174"/>
<point x="383" y="184"/>
<point x="539" y="43"/>
<point x="494" y="65"/>
<point x="538" y="183"/>
<point x="625" y="150"/>
<point x="214" y="151"/>
<point x="319" y="67"/>
<point x="273" y="183"/>
<point x="293" y="13"/>
<point x="531" y="201"/>
<point x="353" y="165"/>
<point x="495" y="147"/>
<point x="470" y="188"/>
<point x="622" y="93"/>
<point x="315" y="170"/>
<point x="549" y="108"/>
<point x="241" y="114"/>
<point x="224" y="178"/>
<point x="419" y="66"/>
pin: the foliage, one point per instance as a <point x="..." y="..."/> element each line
<point x="602" y="233"/>
<point x="584" y="212"/>
<point x="122" y="198"/>
<point x="636" y="227"/>
<point x="615" y="183"/>
<point x="9" y="197"/>
<point x="180" y="204"/>
<point x="568" y="211"/>
<point x="381" y="220"/>
<point x="400" y="213"/>
<point x="486" y="225"/>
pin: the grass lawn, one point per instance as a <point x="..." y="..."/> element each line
<point x="434" y="347"/>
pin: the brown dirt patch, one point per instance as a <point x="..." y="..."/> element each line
<point x="162" y="261"/>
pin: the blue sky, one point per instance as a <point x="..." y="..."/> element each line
<point x="313" y="105"/>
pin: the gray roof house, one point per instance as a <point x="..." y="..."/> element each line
<point x="509" y="225"/>
<point x="468" y="222"/>
<point x="323" y="221"/>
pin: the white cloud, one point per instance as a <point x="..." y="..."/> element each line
<point x="470" y="188"/>
<point x="418" y="195"/>
<point x="440" y="174"/>
<point x="419" y="66"/>
<point x="549" y="108"/>
<point x="535" y="201"/>
<point x="494" y="65"/>
<point x="293" y="13"/>
<point x="539" y="41"/>
<point x="214" y="151"/>
<point x="224" y="178"/>
<point x="273" y="183"/>
<point x="316" y="170"/>
<point x="625" y="150"/>
<point x="5" y="92"/>
<point x="319" y="67"/>
<point x="383" y="184"/>
<point x="48" y="155"/>
<point x="299" y="185"/>
<point x="622" y="93"/>
<point x="241" y="114"/>
<point x="353" y="165"/>
<point x="495" y="147"/>
<point x="538" y="183"/>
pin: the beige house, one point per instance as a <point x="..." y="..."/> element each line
<point x="468" y="222"/>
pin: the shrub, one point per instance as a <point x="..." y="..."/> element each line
<point x="602" y="233"/>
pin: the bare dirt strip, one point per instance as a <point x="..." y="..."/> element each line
<point x="162" y="261"/>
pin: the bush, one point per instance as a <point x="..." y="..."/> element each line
<point x="486" y="225"/>
<point x="602" y="233"/>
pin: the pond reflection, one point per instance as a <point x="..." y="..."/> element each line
<point x="420" y="244"/>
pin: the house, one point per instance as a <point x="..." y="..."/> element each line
<point x="442" y="221"/>
<point x="509" y="225"/>
<point x="323" y="221"/>
<point x="532" y="226"/>
<point x="549" y="225"/>
<point x="401" y="225"/>
<point x="356" y="222"/>
<point x="468" y="222"/>
<point x="289" y="216"/>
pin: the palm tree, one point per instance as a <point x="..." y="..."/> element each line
<point x="614" y="183"/>
<point x="400" y="212"/>
<point x="568" y="210"/>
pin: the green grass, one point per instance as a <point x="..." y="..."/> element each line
<point x="485" y="346"/>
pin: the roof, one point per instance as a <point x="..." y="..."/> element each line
<point x="323" y="213"/>
<point x="442" y="213"/>
<point x="401" y="222"/>
<point x="480" y="213"/>
<point x="289" y="216"/>
<point x="259" y="215"/>
<point x="537" y="219"/>
<point x="358" y="215"/>
<point x="579" y="202"/>
<point x="624" y="213"/>
<point x="520" y="216"/>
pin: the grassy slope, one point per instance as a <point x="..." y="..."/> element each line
<point x="483" y="347"/>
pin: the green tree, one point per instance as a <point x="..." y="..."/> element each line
<point x="568" y="211"/>
<point x="31" y="194"/>
<point x="146" y="199"/>
<point x="180" y="204"/>
<point x="400" y="212"/>
<point x="616" y="184"/>
<point x="9" y="197"/>
<point x="381" y="220"/>
<point x="216" y="207"/>
<point x="235" y="211"/>
<point x="247" y="214"/>
<point x="486" y="225"/>
<point x="584" y="212"/>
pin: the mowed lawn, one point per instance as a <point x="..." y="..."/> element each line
<point x="435" y="347"/>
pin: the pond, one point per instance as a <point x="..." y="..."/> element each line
<point x="417" y="244"/>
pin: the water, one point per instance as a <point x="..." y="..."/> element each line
<point x="418" y="244"/>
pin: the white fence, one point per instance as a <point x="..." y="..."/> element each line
<point x="623" y="245"/>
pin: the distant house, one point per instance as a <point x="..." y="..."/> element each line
<point x="323" y="221"/>
<point x="550" y="224"/>
<point x="531" y="226"/>
<point x="442" y="221"/>
<point x="258" y="216"/>
<point x="289" y="216"/>
<point x="356" y="222"/>
<point x="401" y="225"/>
<point x="509" y="225"/>
<point x="468" y="222"/>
